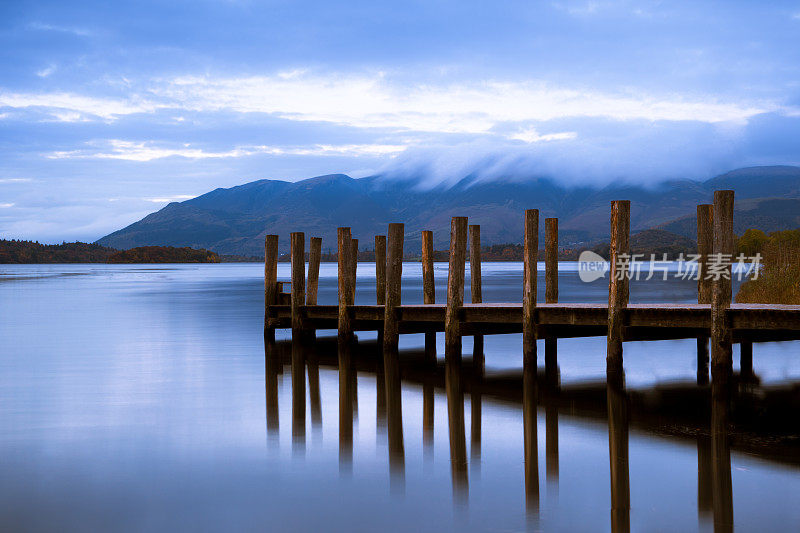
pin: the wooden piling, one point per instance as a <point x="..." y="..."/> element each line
<point x="428" y="290"/>
<point x="705" y="244"/>
<point x="724" y="247"/>
<point x="551" y="297"/>
<point x="270" y="277"/>
<point x="344" y="242"/>
<point x="380" y="269"/>
<point x="455" y="288"/>
<point x="530" y="256"/>
<point x="475" y="290"/>
<point x="353" y="268"/>
<point x="298" y="280"/>
<point x="618" y="283"/>
<point x="314" y="255"/>
<point x="394" y="273"/>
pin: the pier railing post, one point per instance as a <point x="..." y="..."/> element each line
<point x="394" y="273"/>
<point x="298" y="254"/>
<point x="344" y="243"/>
<point x="618" y="285"/>
<point x="455" y="288"/>
<point x="551" y="297"/>
<point x="476" y="291"/>
<point x="270" y="277"/>
<point x="721" y="338"/>
<point x="314" y="255"/>
<point x="530" y="256"/>
<point x="428" y="290"/>
<point x="705" y="244"/>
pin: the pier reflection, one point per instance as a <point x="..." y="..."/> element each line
<point x="620" y="407"/>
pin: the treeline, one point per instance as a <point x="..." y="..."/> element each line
<point x="17" y="252"/>
<point x="778" y="280"/>
<point x="21" y="252"/>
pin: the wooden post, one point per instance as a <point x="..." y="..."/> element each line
<point x="475" y="289"/>
<point x="394" y="273"/>
<point x="270" y="277"/>
<point x="314" y="254"/>
<point x="344" y="242"/>
<point x="705" y="244"/>
<point x="353" y="267"/>
<point x="721" y="338"/>
<point x="428" y="290"/>
<point x="298" y="254"/>
<point x="455" y="287"/>
<point x="618" y="284"/>
<point x="380" y="269"/>
<point x="530" y="255"/>
<point x="551" y="297"/>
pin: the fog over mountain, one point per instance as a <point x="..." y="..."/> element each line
<point x="235" y="220"/>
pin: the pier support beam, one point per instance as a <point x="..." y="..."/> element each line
<point x="530" y="256"/>
<point x="270" y="280"/>
<point x="705" y="244"/>
<point x="344" y="242"/>
<point x="394" y="273"/>
<point x="455" y="288"/>
<point x="314" y="255"/>
<point x="551" y="297"/>
<point x="618" y="285"/>
<point x="298" y="254"/>
<point x="724" y="244"/>
<point x="475" y="290"/>
<point x="428" y="290"/>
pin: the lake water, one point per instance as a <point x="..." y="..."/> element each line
<point x="132" y="397"/>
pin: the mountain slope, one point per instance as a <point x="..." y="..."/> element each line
<point x="235" y="220"/>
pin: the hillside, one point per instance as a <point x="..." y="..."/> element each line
<point x="235" y="220"/>
<point x="20" y="252"/>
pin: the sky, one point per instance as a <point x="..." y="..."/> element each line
<point x="110" y="110"/>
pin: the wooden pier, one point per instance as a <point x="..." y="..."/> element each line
<point x="713" y="320"/>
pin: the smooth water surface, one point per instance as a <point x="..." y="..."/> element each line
<point x="134" y="398"/>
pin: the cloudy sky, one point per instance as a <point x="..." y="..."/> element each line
<point x="108" y="111"/>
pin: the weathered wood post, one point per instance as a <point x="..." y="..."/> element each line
<point x="705" y="244"/>
<point x="314" y="255"/>
<point x="344" y="242"/>
<point x="353" y="267"/>
<point x="298" y="254"/>
<point x="530" y="256"/>
<point x="551" y="297"/>
<point x="270" y="279"/>
<point x="380" y="282"/>
<point x="618" y="285"/>
<point x="721" y="337"/>
<point x="394" y="273"/>
<point x="475" y="289"/>
<point x="428" y="290"/>
<point x="455" y="288"/>
<point x="380" y="269"/>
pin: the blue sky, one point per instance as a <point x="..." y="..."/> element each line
<point x="109" y="110"/>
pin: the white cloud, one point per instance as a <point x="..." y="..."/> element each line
<point x="6" y="205"/>
<point x="45" y="72"/>
<point x="41" y="26"/>
<point x="167" y="199"/>
<point x="796" y="16"/>
<point x="143" y="151"/>
<point x="375" y="101"/>
<point x="532" y="136"/>
<point x="15" y="180"/>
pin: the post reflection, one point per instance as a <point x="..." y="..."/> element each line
<point x="551" y="445"/>
<point x="380" y="400"/>
<point x="455" y="419"/>
<point x="346" y="382"/>
<point x="394" y="412"/>
<point x="313" y="386"/>
<point x="618" y="453"/>
<point x="427" y="418"/>
<point x="529" y="406"/>
<point x="704" y="494"/>
<point x="721" y="487"/>
<point x="272" y="363"/>
<point x="478" y="366"/>
<point x="298" y="395"/>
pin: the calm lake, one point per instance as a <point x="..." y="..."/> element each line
<point x="135" y="397"/>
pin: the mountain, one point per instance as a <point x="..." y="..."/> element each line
<point x="235" y="220"/>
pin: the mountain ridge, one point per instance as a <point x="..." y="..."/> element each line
<point x="234" y="220"/>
